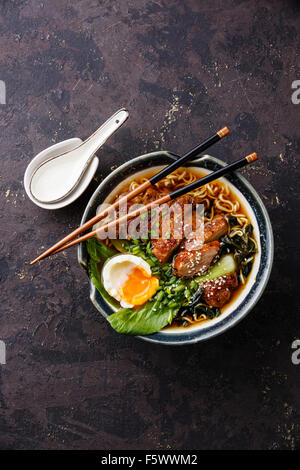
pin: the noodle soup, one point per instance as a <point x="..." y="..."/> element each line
<point x="184" y="300"/>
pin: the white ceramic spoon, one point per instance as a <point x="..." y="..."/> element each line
<point x="58" y="176"/>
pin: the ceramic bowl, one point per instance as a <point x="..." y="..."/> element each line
<point x="260" y="272"/>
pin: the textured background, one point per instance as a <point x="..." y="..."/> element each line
<point x="183" y="69"/>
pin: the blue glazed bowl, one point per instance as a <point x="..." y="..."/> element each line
<point x="260" y="272"/>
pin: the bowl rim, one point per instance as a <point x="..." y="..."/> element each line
<point x="236" y="315"/>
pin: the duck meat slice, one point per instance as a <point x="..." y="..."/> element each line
<point x="191" y="263"/>
<point x="163" y="248"/>
<point x="168" y="227"/>
<point x="213" y="230"/>
<point x="218" y="292"/>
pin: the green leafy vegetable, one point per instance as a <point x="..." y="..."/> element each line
<point x="246" y="268"/>
<point x="226" y="265"/>
<point x="150" y="318"/>
<point x="96" y="280"/>
<point x="192" y="304"/>
<point x="121" y="245"/>
<point x="241" y="243"/>
<point x="209" y="312"/>
<point x="249" y="230"/>
<point x="98" y="253"/>
<point x="232" y="220"/>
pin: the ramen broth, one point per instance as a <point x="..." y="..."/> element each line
<point x="217" y="198"/>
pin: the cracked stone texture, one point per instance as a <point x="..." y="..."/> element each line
<point x="183" y="69"/>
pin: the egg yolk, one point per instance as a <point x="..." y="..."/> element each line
<point x="138" y="287"/>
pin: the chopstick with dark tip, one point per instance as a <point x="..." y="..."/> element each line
<point x="189" y="155"/>
<point x="151" y="181"/>
<point x="168" y="197"/>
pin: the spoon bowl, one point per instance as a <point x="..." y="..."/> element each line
<point x="57" y="176"/>
<point x="57" y="149"/>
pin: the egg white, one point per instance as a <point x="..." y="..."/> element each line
<point x="115" y="272"/>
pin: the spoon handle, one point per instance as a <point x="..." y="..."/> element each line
<point x="100" y="136"/>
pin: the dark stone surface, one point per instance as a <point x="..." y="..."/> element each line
<point x="184" y="69"/>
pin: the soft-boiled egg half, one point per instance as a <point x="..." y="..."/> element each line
<point x="128" y="279"/>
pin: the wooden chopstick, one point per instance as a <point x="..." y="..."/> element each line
<point x="154" y="179"/>
<point x="168" y="197"/>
